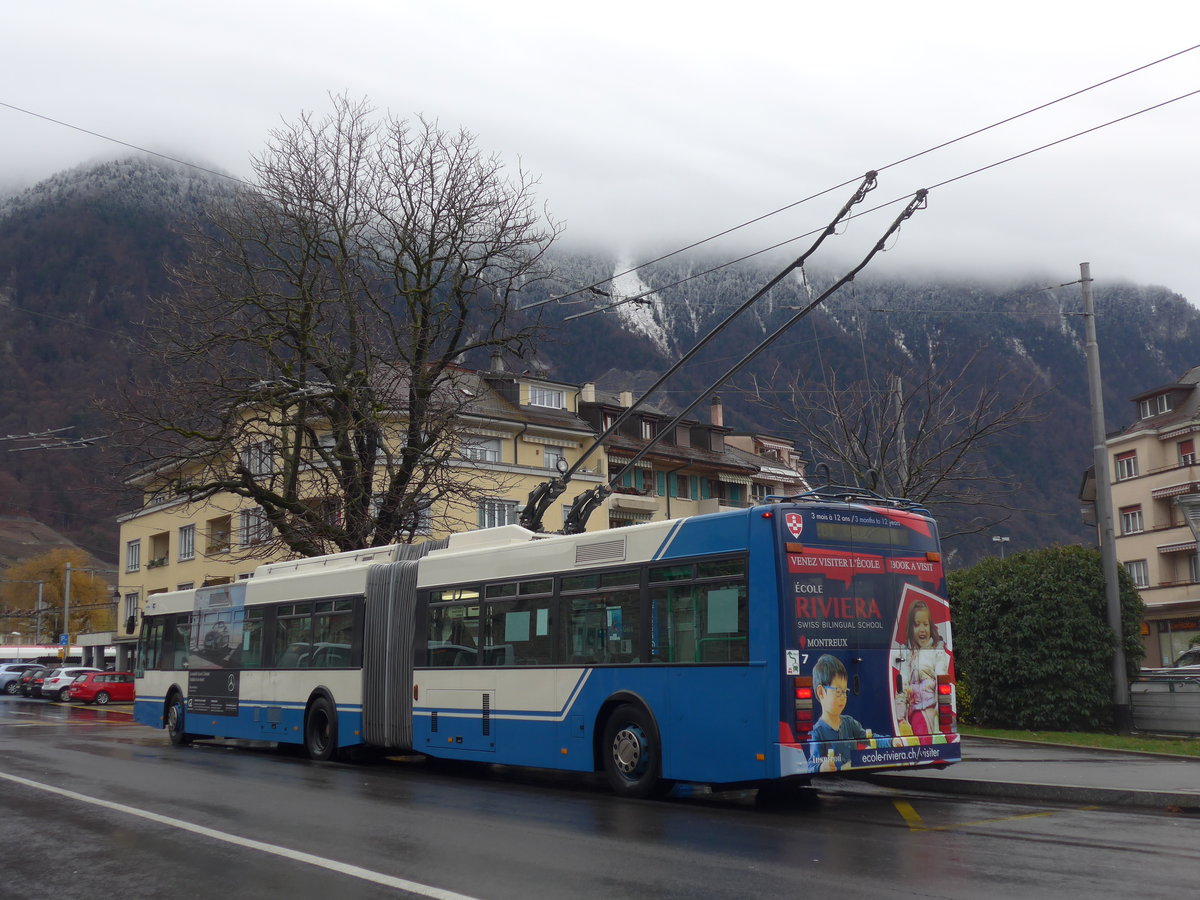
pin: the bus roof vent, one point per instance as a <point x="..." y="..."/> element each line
<point x="601" y="551"/>
<point x="500" y="536"/>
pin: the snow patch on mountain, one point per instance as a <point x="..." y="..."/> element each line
<point x="643" y="315"/>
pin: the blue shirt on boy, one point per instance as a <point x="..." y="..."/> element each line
<point x="824" y="736"/>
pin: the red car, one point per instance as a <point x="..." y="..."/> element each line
<point x="101" y="687"/>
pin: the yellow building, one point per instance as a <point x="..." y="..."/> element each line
<point x="511" y="434"/>
<point x="1155" y="483"/>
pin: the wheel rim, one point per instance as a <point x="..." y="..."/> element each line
<point x="629" y="751"/>
<point x="64" y="695"/>
<point x="173" y="715"/>
<point x="320" y="730"/>
<point x="102" y="698"/>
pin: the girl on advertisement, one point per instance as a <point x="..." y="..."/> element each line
<point x="923" y="657"/>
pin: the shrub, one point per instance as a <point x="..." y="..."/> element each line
<point x="1032" y="639"/>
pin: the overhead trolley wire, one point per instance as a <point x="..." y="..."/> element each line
<point x="883" y="205"/>
<point x="545" y="494"/>
<point x="595" y="286"/>
<point x="587" y="501"/>
<point x="898" y="162"/>
<point x="105" y="137"/>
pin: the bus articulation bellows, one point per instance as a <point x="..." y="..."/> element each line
<point x="745" y="647"/>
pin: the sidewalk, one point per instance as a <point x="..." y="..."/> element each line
<point x="1059" y="774"/>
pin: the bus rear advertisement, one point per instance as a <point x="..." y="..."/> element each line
<point x="749" y="647"/>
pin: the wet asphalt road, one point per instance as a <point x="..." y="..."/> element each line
<point x="415" y="829"/>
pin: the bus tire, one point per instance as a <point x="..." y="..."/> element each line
<point x="320" y="730"/>
<point x="632" y="753"/>
<point x="175" y="723"/>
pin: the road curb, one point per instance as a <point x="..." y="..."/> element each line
<point x="1049" y="793"/>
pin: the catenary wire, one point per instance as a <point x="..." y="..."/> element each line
<point x="756" y="219"/>
<point x="850" y="181"/>
<point x="886" y="204"/>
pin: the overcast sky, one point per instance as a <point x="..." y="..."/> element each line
<point x="653" y="124"/>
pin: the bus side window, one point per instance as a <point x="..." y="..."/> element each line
<point x="723" y="613"/>
<point x="252" y="638"/>
<point x="151" y="645"/>
<point x="181" y="630"/>
<point x="293" y="636"/>
<point x="519" y="632"/>
<point x="453" y="635"/>
<point x="603" y="628"/>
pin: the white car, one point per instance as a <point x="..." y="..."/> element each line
<point x="10" y="674"/>
<point x="57" y="685"/>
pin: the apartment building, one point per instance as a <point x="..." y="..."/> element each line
<point x="1156" y="512"/>
<point x="512" y="432"/>
<point x="699" y="467"/>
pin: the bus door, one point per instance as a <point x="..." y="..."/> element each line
<point x="459" y="694"/>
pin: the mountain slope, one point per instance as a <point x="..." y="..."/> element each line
<point x="81" y="252"/>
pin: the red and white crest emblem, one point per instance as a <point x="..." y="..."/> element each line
<point x="795" y="523"/>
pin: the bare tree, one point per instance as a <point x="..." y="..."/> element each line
<point x="923" y="434"/>
<point x="312" y="350"/>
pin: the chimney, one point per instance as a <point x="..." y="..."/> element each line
<point x="588" y="392"/>
<point x="627" y="399"/>
<point x="497" y="361"/>
<point x="718" y="414"/>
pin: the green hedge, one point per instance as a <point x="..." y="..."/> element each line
<point x="1032" y="640"/>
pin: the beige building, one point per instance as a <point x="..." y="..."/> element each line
<point x="512" y="435"/>
<point x="700" y="467"/>
<point x="1155" y="482"/>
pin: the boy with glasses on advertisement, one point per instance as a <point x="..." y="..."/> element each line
<point x="831" y="683"/>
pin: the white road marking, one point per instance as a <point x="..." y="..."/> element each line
<point x="403" y="884"/>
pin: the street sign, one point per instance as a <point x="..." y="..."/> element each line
<point x="64" y="639"/>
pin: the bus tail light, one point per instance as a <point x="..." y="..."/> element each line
<point x="945" y="696"/>
<point x="802" y="690"/>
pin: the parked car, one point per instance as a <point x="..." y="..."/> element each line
<point x="101" y="687"/>
<point x="29" y="677"/>
<point x="1186" y="665"/>
<point x="1189" y="658"/>
<point x="57" y="685"/>
<point x="10" y="675"/>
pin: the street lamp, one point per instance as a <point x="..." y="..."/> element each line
<point x="1001" y="539"/>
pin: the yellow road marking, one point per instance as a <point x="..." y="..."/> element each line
<point x="910" y="815"/>
<point x="916" y="823"/>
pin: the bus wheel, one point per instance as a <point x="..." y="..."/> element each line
<point x="175" y="723"/>
<point x="632" y="756"/>
<point x="320" y="730"/>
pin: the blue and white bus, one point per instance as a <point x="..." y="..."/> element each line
<point x="783" y="641"/>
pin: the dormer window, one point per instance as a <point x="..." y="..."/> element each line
<point x="540" y="396"/>
<point x="1153" y="406"/>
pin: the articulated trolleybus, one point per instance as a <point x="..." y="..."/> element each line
<point x="747" y="647"/>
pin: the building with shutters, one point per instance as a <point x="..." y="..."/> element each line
<point x="1156" y="512"/>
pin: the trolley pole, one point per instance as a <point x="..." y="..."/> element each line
<point x="1122" y="711"/>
